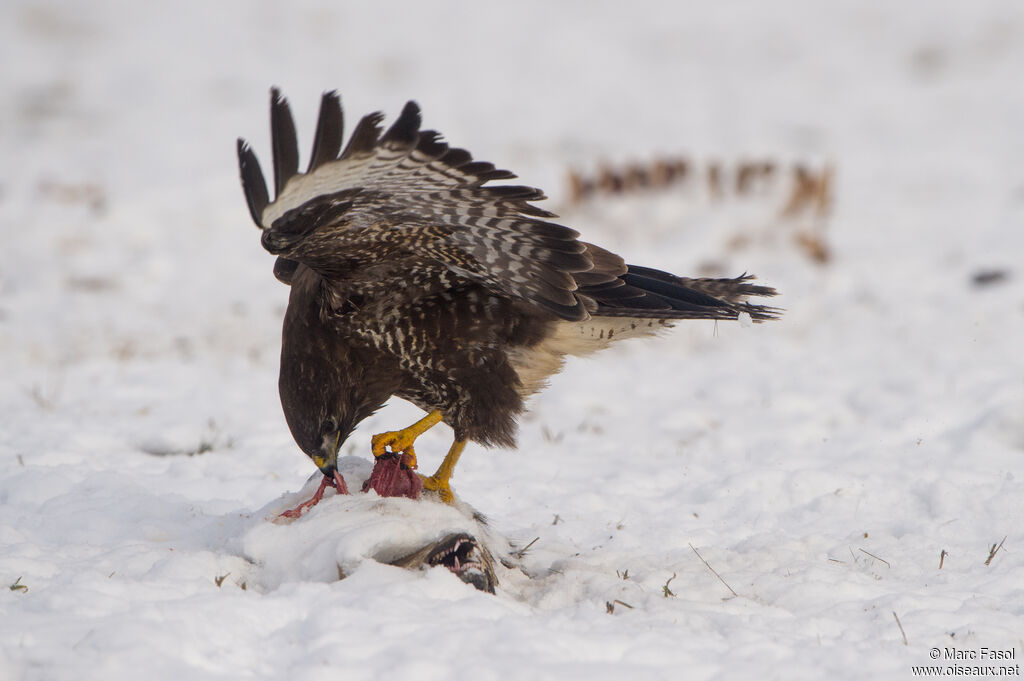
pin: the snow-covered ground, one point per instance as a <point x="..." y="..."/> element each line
<point x="851" y="464"/>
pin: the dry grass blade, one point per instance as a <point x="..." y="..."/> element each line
<point x="522" y="552"/>
<point x="875" y="557"/>
<point x="610" y="606"/>
<point x="898" y="624"/>
<point x="993" y="551"/>
<point x="708" y="565"/>
<point x="667" y="591"/>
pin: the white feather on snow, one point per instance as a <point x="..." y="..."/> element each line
<point x="820" y="464"/>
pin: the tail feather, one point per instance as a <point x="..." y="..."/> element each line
<point x="647" y="293"/>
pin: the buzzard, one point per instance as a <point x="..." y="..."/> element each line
<point x="413" y="275"/>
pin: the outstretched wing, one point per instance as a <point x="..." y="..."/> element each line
<point x="407" y="193"/>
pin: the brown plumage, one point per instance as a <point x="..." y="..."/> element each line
<point x="412" y="275"/>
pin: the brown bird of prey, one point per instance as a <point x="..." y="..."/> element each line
<point x="413" y="275"/>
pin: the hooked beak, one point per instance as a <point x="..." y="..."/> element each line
<point x="327" y="458"/>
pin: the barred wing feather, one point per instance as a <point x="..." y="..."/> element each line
<point x="407" y="193"/>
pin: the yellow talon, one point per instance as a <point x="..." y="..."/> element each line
<point x="442" y="488"/>
<point x="440" y="481"/>
<point x="401" y="441"/>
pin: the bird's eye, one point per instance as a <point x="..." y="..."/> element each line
<point x="328" y="426"/>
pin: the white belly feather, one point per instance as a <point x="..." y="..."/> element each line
<point x="536" y="364"/>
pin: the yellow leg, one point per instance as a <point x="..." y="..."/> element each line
<point x="439" y="481"/>
<point x="402" y="440"/>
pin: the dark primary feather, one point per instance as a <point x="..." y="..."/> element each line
<point x="330" y="132"/>
<point x="253" y="183"/>
<point x="284" y="141"/>
<point x="404" y="132"/>
<point x="364" y="137"/>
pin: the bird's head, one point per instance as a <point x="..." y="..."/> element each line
<point x="321" y="437"/>
<point x="326" y="456"/>
<point x="317" y="411"/>
<point x="321" y="410"/>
